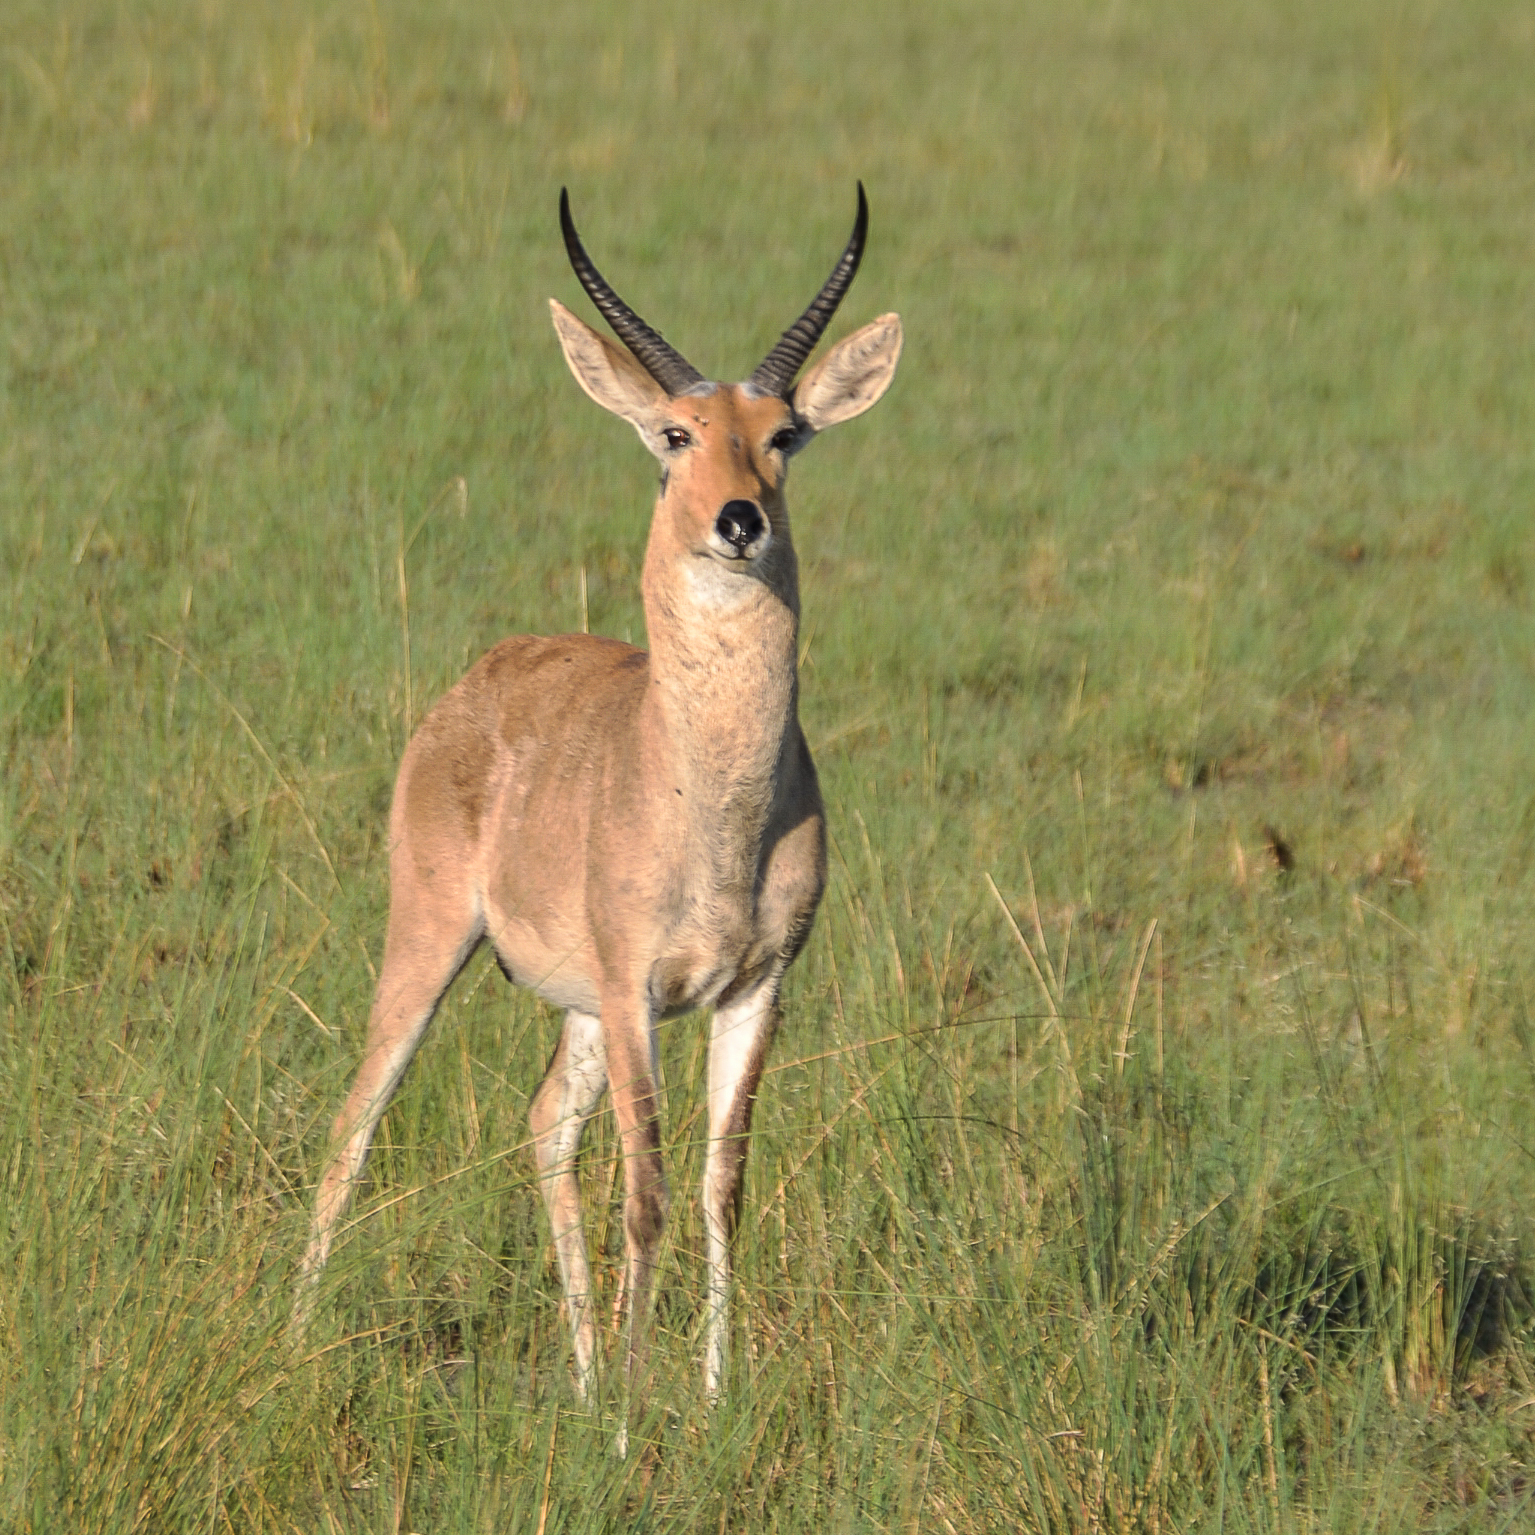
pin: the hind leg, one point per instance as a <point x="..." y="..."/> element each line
<point x="426" y="947"/>
<point x="562" y="1106"/>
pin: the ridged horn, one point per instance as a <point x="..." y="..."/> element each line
<point x="662" y="361"/>
<point x="775" y="374"/>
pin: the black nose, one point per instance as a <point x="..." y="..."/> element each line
<point x="740" y="524"/>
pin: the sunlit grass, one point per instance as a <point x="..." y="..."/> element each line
<point x="1145" y="1148"/>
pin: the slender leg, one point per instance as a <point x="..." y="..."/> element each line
<point x="742" y="1030"/>
<point x="629" y="1031"/>
<point x="562" y="1106"/>
<point x="421" y="958"/>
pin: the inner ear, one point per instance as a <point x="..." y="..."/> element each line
<point x="852" y="376"/>
<point x="610" y="376"/>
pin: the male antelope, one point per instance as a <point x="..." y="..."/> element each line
<point x="637" y="834"/>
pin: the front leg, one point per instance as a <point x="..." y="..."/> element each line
<point x="742" y="1031"/>
<point x="633" y="1075"/>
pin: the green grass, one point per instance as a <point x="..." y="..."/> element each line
<point x="1194" y="530"/>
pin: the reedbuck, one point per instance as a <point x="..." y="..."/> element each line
<point x="636" y="833"/>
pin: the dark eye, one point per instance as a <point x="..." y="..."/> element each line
<point x="783" y="439"/>
<point x="676" y="438"/>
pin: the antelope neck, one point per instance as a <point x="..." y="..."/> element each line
<point x="724" y="676"/>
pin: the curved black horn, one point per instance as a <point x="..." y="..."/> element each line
<point x="775" y="373"/>
<point x="662" y="361"/>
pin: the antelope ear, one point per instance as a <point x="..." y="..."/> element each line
<point x="851" y="377"/>
<point x="608" y="373"/>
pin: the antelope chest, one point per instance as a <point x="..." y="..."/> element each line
<point x="702" y="961"/>
<point x="725" y="937"/>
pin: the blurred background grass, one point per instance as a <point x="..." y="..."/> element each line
<point x="1182" y="587"/>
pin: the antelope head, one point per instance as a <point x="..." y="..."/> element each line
<point x="725" y="448"/>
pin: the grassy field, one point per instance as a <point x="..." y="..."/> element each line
<point x="1149" y="1145"/>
